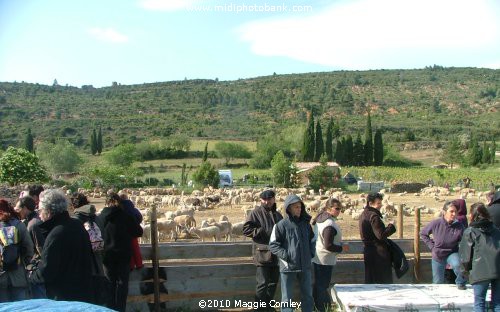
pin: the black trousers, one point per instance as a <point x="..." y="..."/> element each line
<point x="117" y="275"/>
<point x="267" y="280"/>
<point x="321" y="285"/>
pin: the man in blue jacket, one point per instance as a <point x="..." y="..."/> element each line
<point x="292" y="240"/>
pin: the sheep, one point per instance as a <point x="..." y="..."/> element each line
<point x="208" y="232"/>
<point x="184" y="221"/>
<point x="223" y="218"/>
<point x="166" y="227"/>
<point x="237" y="230"/>
<point x="313" y="206"/>
<point x="225" y="229"/>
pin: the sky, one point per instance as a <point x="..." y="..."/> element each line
<point x="97" y="42"/>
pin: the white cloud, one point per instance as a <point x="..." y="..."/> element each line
<point x="166" y="5"/>
<point x="108" y="35"/>
<point x="369" y="34"/>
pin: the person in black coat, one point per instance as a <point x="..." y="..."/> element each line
<point x="119" y="230"/>
<point x="259" y="226"/>
<point x="374" y="233"/>
<point x="66" y="263"/>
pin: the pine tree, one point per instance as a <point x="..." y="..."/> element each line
<point x="378" y="149"/>
<point x="339" y="152"/>
<point x="358" y="151"/>
<point x="329" y="140"/>
<point x="99" y="141"/>
<point x="368" y="147"/>
<point x="348" y="151"/>
<point x="93" y="143"/>
<point x="486" y="154"/>
<point x="28" y="142"/>
<point x="320" y="146"/>
<point x="205" y="152"/>
<point x="452" y="153"/>
<point x="309" y="144"/>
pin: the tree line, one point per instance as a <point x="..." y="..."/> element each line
<point x="348" y="152"/>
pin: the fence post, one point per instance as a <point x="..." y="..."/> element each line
<point x="154" y="259"/>
<point x="400" y="221"/>
<point x="416" y="246"/>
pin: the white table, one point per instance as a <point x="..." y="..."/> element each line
<point x="403" y="297"/>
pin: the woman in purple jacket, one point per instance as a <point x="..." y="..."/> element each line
<point x="446" y="234"/>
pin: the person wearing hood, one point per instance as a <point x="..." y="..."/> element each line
<point x="66" y="264"/>
<point x="480" y="255"/>
<point x="461" y="211"/>
<point x="119" y="230"/>
<point x="328" y="246"/>
<point x="258" y="226"/>
<point x="374" y="234"/>
<point x="129" y="207"/>
<point x="292" y="241"/>
<point x="494" y="209"/>
<point x="446" y="234"/>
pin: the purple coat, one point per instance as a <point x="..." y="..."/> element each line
<point x="445" y="237"/>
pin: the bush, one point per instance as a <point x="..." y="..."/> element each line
<point x="323" y="177"/>
<point x="206" y="175"/>
<point x="229" y="151"/>
<point x="61" y="157"/>
<point x="17" y="166"/>
<point x="392" y="158"/>
<point x="283" y="171"/>
<point x="122" y="155"/>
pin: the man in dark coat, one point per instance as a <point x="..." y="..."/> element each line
<point x="494" y="209"/>
<point x="374" y="233"/>
<point x="259" y="226"/>
<point x="66" y="265"/>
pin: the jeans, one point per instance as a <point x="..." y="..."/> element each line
<point x="117" y="275"/>
<point x="480" y="290"/>
<point x="13" y="294"/>
<point x="322" y="278"/>
<point x="304" y="279"/>
<point x="267" y="281"/>
<point x="438" y="268"/>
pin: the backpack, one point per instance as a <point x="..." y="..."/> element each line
<point x="9" y="246"/>
<point x="95" y="235"/>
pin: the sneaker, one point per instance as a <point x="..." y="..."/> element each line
<point x="462" y="287"/>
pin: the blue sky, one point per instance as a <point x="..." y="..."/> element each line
<point x="137" y="41"/>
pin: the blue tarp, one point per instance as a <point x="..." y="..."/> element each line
<point x="46" y="305"/>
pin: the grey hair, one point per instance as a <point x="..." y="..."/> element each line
<point x="54" y="201"/>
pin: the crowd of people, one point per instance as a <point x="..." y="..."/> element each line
<point x="299" y="249"/>
<point x="57" y="247"/>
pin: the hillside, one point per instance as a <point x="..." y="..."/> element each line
<point x="434" y="103"/>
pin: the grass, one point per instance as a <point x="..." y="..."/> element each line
<point x="199" y="145"/>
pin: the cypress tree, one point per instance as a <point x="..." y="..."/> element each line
<point x="339" y="154"/>
<point x="368" y="148"/>
<point x="308" y="144"/>
<point x="486" y="154"/>
<point x="320" y="146"/>
<point x="493" y="150"/>
<point x="93" y="143"/>
<point x="28" y="141"/>
<point x="99" y="141"/>
<point x="348" y="151"/>
<point x="205" y="152"/>
<point x="474" y="157"/>
<point x="378" y="149"/>
<point x="358" y="151"/>
<point x="329" y="140"/>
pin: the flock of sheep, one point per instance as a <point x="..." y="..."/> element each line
<point x="177" y="211"/>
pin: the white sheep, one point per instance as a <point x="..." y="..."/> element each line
<point x="225" y="229"/>
<point x="237" y="230"/>
<point x="208" y="232"/>
<point x="184" y="221"/>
